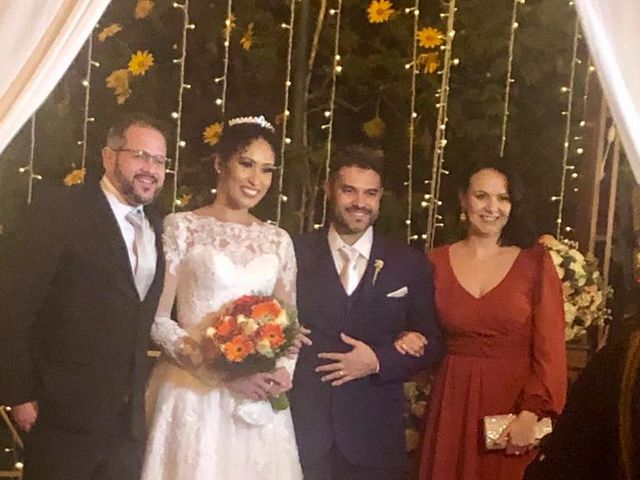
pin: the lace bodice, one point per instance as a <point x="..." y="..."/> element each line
<point x="211" y="263"/>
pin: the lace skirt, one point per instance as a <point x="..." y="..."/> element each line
<point x="200" y="432"/>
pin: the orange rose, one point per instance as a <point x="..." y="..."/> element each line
<point x="273" y="333"/>
<point x="238" y="348"/>
<point x="265" y="309"/>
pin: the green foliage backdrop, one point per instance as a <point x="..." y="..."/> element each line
<point x="374" y="81"/>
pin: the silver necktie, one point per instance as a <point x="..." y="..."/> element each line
<point x="349" y="272"/>
<point x="143" y="248"/>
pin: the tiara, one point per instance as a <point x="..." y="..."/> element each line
<point x="257" y="120"/>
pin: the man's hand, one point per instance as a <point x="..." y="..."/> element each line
<point x="25" y="415"/>
<point x="359" y="362"/>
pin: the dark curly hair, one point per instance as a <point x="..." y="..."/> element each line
<point x="235" y="138"/>
<point x="519" y="230"/>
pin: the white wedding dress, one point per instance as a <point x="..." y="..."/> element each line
<point x="199" y="429"/>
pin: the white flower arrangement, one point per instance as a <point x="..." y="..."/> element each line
<point x="585" y="293"/>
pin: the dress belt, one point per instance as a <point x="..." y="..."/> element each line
<point x="488" y="347"/>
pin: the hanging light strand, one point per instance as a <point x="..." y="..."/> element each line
<point x="28" y="169"/>
<point x="285" y="117"/>
<point x="227" y="43"/>
<point x="567" y="134"/>
<point x="87" y="101"/>
<point x="412" y="116"/>
<point x="180" y="144"/>
<point x="440" y="141"/>
<point x="337" y="12"/>
<point x="509" y="80"/>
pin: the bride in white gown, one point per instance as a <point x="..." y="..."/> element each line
<point x="200" y="428"/>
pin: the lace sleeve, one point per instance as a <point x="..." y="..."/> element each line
<point x="285" y="287"/>
<point x="165" y="331"/>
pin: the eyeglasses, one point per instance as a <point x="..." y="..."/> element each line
<point x="144" y="156"/>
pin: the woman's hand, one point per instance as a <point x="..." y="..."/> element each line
<point x="520" y="434"/>
<point x="302" y="338"/>
<point x="282" y="382"/>
<point x="189" y="354"/>
<point x="412" y="343"/>
<point x="257" y="386"/>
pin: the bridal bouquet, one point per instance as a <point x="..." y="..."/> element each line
<point x="585" y="293"/>
<point x="248" y="337"/>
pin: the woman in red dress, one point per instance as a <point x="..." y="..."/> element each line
<point x="500" y="304"/>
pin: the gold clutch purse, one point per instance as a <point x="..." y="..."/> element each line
<point x="494" y="425"/>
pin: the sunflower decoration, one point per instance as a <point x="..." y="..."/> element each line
<point x="140" y="62"/>
<point x="428" y="62"/>
<point x="374" y="128"/>
<point x="380" y="11"/>
<point x="211" y="134"/>
<point x="279" y="118"/>
<point x="184" y="200"/>
<point x="75" y="177"/>
<point x="430" y="37"/>
<point x="143" y="9"/>
<point x="247" y="38"/>
<point x="109" y="31"/>
<point x="118" y="80"/>
<point x="229" y="25"/>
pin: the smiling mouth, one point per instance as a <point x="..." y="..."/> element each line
<point x="249" y="192"/>
<point x="146" y="180"/>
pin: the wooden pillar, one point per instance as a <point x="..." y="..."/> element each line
<point x="594" y="134"/>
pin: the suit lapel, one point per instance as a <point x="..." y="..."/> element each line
<point x="108" y="231"/>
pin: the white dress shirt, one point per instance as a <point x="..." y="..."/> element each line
<point x="362" y="246"/>
<point x="121" y="209"/>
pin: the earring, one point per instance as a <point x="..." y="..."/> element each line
<point x="463" y="217"/>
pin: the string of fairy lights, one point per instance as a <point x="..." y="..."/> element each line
<point x="28" y="169"/>
<point x="509" y="77"/>
<point x="285" y="117"/>
<point x="222" y="100"/>
<point x="182" y="86"/>
<point x="415" y="12"/>
<point x="434" y="220"/>
<point x="337" y="68"/>
<point x="568" y="113"/>
<point x="87" y="119"/>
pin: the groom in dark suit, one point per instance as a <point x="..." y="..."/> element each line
<point x="357" y="291"/>
<point x="78" y="298"/>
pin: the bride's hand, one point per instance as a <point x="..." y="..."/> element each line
<point x="256" y="387"/>
<point x="282" y="382"/>
<point x="189" y="354"/>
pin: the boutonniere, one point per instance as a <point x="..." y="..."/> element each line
<point x="377" y="265"/>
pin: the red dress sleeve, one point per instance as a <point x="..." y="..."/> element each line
<point x="545" y="390"/>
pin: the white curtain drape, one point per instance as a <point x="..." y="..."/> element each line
<point x="38" y="41"/>
<point x="612" y="31"/>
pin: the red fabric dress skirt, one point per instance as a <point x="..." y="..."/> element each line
<point x="505" y="353"/>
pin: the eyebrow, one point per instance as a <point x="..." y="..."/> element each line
<point x="244" y="157"/>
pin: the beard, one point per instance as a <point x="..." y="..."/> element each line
<point x="128" y="190"/>
<point x="342" y="225"/>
